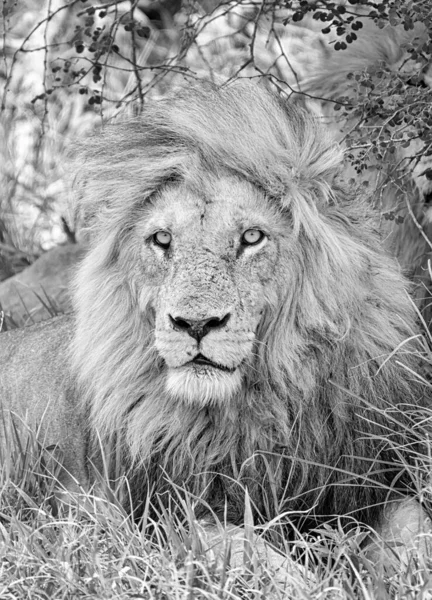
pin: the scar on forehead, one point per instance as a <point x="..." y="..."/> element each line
<point x="203" y="200"/>
<point x="207" y="195"/>
<point x="204" y="188"/>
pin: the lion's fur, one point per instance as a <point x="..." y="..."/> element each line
<point x="323" y="414"/>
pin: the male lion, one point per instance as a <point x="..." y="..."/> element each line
<point x="237" y="324"/>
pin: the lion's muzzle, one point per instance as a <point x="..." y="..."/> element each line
<point x="201" y="370"/>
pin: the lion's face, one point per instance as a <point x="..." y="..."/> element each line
<point x="211" y="267"/>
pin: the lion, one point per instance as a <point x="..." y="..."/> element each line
<point x="237" y="325"/>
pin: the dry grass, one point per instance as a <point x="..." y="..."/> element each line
<point x="84" y="546"/>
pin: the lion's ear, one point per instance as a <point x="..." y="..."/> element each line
<point x="83" y="217"/>
<point x="85" y="211"/>
<point x="110" y="175"/>
<point x="86" y="204"/>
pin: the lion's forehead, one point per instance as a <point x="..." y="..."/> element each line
<point x="211" y="216"/>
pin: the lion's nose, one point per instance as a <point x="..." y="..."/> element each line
<point x="199" y="328"/>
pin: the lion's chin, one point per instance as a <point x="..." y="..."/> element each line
<point x="202" y="385"/>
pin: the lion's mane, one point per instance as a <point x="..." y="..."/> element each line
<point x="324" y="424"/>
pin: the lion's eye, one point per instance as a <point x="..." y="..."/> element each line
<point x="251" y="237"/>
<point x="162" y="239"/>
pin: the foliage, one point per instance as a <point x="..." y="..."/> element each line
<point x="68" y="63"/>
<point x="387" y="103"/>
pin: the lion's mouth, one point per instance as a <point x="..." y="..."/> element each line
<point x="202" y="361"/>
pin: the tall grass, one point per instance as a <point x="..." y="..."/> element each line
<point x="56" y="544"/>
